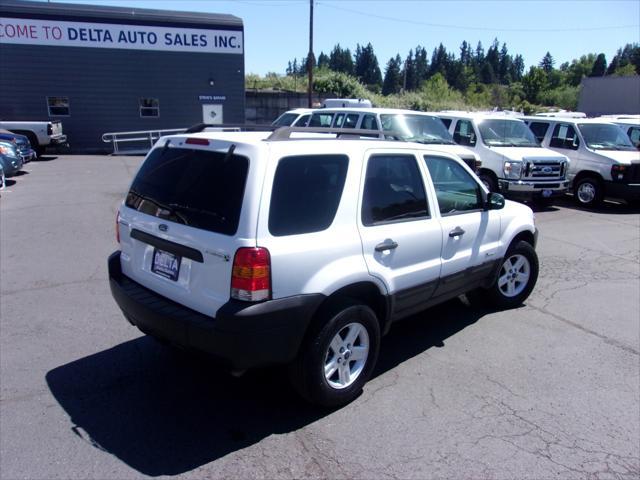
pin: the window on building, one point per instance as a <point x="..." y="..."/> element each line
<point x="58" y="106"/>
<point x="149" y="107"/>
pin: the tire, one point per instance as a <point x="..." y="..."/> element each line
<point x="588" y="192"/>
<point x="349" y="332"/>
<point x="517" y="277"/>
<point x="489" y="182"/>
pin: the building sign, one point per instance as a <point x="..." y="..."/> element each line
<point x="131" y="37"/>
<point x="212" y="98"/>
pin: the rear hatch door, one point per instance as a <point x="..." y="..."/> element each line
<point x="182" y="221"/>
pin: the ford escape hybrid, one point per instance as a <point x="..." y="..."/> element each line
<point x="266" y="249"/>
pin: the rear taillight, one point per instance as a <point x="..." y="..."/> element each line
<point x="49" y="129"/>
<point x="118" y="226"/>
<point x="251" y="275"/>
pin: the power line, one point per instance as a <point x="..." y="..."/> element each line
<point x="489" y="29"/>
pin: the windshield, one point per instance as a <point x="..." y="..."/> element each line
<point x="506" y="133"/>
<point x="602" y="136"/>
<point x="417" y="128"/>
<point x="285" y="120"/>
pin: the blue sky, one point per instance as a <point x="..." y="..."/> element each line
<point x="278" y="30"/>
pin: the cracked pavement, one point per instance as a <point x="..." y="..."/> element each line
<point x="549" y="390"/>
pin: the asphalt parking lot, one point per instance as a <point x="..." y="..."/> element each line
<point x="549" y="390"/>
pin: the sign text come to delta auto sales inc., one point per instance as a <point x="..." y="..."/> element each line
<point x="131" y="37"/>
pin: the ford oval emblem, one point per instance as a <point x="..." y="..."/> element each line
<point x="163" y="227"/>
<point x="547" y="170"/>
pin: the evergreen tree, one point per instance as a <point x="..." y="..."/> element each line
<point x="421" y="65"/>
<point x="410" y="81"/>
<point x="393" y="76"/>
<point x="599" y="67"/>
<point x="340" y="60"/>
<point x="465" y="54"/>
<point x="517" y="68"/>
<point x="505" y="65"/>
<point x="439" y="61"/>
<point x="323" y="60"/>
<point x="289" y="70"/>
<point x="547" y="63"/>
<point x="366" y="66"/>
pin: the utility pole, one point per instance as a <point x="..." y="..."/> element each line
<point x="310" y="55"/>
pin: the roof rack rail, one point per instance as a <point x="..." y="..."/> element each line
<point x="284" y="133"/>
<point x="230" y="127"/>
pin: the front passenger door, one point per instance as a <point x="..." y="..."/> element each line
<point x="470" y="234"/>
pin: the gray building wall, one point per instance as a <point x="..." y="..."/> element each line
<point x="263" y="107"/>
<point x="609" y="95"/>
<point x="104" y="85"/>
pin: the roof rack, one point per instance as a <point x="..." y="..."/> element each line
<point x="284" y="133"/>
<point x="230" y="127"/>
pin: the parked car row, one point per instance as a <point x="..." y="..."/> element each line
<point x="15" y="151"/>
<point x="528" y="158"/>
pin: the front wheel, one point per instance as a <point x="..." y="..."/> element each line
<point x="489" y="182"/>
<point x="588" y="192"/>
<point x="338" y="357"/>
<point x="517" y="277"/>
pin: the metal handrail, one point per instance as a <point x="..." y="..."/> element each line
<point x="150" y="136"/>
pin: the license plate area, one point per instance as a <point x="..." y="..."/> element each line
<point x="165" y="264"/>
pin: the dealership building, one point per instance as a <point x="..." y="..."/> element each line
<point x="102" y="69"/>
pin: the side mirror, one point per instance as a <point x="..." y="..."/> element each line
<point x="495" y="201"/>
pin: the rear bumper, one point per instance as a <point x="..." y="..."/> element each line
<point x="242" y="335"/>
<point x="58" y="140"/>
<point x="625" y="191"/>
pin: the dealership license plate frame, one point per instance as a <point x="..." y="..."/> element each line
<point x="166" y="264"/>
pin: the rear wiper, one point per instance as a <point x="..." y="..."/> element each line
<point x="158" y="204"/>
<point x="187" y="208"/>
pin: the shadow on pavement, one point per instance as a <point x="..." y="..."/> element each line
<point x="610" y="207"/>
<point x="166" y="413"/>
<point x="44" y="158"/>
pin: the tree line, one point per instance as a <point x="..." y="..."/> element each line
<point x="473" y="75"/>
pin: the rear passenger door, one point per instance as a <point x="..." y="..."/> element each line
<point x="401" y="239"/>
<point x="470" y="234"/>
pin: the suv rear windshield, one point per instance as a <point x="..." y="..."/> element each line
<point x="199" y="188"/>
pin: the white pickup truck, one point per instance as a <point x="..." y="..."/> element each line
<point x="40" y="134"/>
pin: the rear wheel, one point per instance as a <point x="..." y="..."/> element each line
<point x="588" y="192"/>
<point x="338" y="357"/>
<point x="517" y="277"/>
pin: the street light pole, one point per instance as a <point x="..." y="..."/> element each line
<point x="310" y="55"/>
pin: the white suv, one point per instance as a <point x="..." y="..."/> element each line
<point x="267" y="249"/>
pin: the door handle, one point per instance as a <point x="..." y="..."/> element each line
<point x="386" y="245"/>
<point x="456" y="232"/>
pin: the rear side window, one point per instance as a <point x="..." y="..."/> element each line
<point x="306" y="193"/>
<point x="564" y="136"/>
<point x="321" y="120"/>
<point x="539" y="129"/>
<point x="634" y="136"/>
<point x="464" y="134"/>
<point x="351" y="120"/>
<point x="198" y="188"/>
<point x="393" y="190"/>
<point x="302" y="121"/>
<point x="369" y="123"/>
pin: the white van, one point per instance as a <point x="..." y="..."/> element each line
<point x="629" y="123"/>
<point x="513" y="162"/>
<point x="346" y="102"/>
<point x="604" y="162"/>
<point x="298" y="117"/>
<point x="411" y="126"/>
